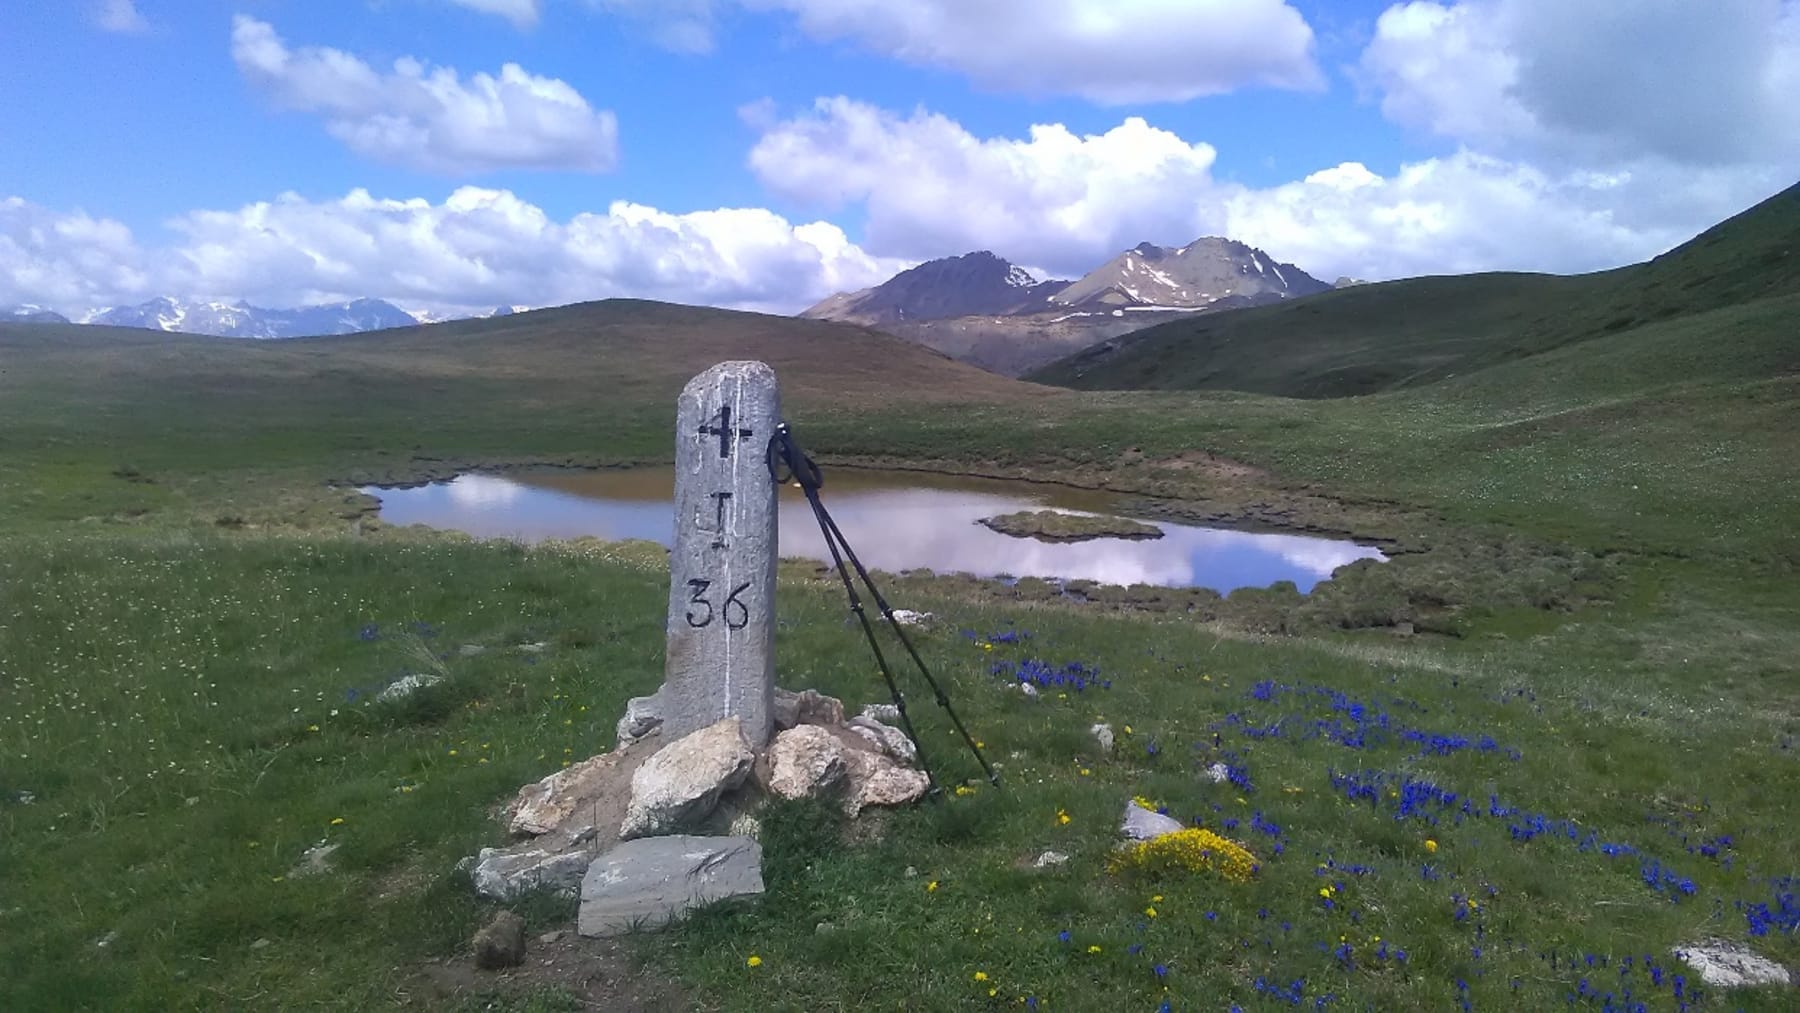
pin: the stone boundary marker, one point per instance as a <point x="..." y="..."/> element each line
<point x="721" y="627"/>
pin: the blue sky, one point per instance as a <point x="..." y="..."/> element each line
<point x="763" y="153"/>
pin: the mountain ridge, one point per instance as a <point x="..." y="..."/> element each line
<point x="982" y="309"/>
<point x="240" y="319"/>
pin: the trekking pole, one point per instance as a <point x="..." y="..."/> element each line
<point x="804" y="471"/>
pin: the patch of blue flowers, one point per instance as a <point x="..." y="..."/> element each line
<point x="1359" y="725"/>
<point x="1416" y="797"/>
<point x="1073" y="676"/>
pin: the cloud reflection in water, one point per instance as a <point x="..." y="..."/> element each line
<point x="892" y="526"/>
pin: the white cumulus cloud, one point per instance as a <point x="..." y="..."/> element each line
<point x="1065" y="203"/>
<point x="1107" y="51"/>
<point x="1590" y="82"/>
<point x="476" y="249"/>
<point x="1052" y="199"/>
<point x="68" y="260"/>
<point x="430" y="117"/>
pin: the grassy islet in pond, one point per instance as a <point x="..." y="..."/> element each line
<point x="1057" y="526"/>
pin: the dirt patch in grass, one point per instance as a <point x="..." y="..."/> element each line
<point x="573" y="972"/>
<point x="1056" y="526"/>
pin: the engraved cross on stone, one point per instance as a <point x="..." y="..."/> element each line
<point x="723" y="430"/>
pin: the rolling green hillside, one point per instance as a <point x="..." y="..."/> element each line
<point x="1406" y="333"/>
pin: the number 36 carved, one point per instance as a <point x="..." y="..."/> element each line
<point x="734" y="611"/>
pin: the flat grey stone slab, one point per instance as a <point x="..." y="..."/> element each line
<point x="646" y="883"/>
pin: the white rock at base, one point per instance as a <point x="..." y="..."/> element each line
<point x="1049" y="859"/>
<point x="907" y="617"/>
<point x="680" y="785"/>
<point x="886" y="738"/>
<point x="1729" y="965"/>
<point x="1218" y="773"/>
<point x="884" y="783"/>
<point x="806" y="761"/>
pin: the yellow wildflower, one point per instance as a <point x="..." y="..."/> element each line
<point x="981" y="976"/>
<point x="337" y="821"/>
<point x="1062" y="816"/>
<point x="1430" y="845"/>
<point x="1156" y="899"/>
<point x="931" y="887"/>
<point x="963" y="789"/>
<point x="1150" y="912"/>
<point x="312" y="728"/>
<point x="1093" y="949"/>
<point x="754" y="961"/>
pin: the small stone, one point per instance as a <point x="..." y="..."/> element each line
<point x="907" y="617"/>
<point x="1724" y="964"/>
<point x="1049" y="859"/>
<point x="911" y="872"/>
<point x="1103" y="734"/>
<point x="887" y="738"/>
<point x="551" y="937"/>
<point x="1029" y="690"/>
<point x="885" y="712"/>
<point x="1218" y="773"/>
<point x="807" y="707"/>
<point x="643" y="716"/>
<point x="745" y="825"/>
<point x="680" y="785"/>
<point x="502" y="943"/>
<point x="315" y="862"/>
<point x="824" y="929"/>
<point x="503" y="875"/>
<point x="260" y="944"/>
<point x="1140" y="824"/>
<point x="407" y="685"/>
<point x="537" y="648"/>
<point x="107" y="940"/>
<point x="470" y="651"/>
<point x="1404" y="629"/>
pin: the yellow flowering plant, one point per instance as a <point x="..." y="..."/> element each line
<point x="1195" y="849"/>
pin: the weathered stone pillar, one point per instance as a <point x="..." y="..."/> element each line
<point x="721" y="628"/>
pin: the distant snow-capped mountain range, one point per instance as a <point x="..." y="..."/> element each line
<point x="985" y="310"/>
<point x="242" y="320"/>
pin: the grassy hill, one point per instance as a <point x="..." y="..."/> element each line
<point x="1413" y="332"/>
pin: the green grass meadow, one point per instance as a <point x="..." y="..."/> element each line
<point x="1587" y="754"/>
